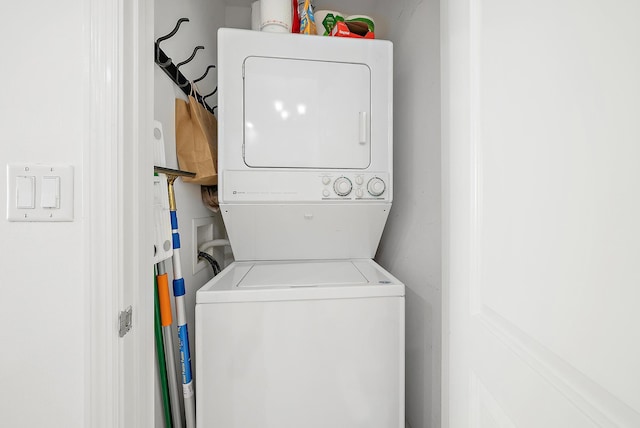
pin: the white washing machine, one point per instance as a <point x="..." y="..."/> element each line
<point x="290" y="344"/>
<point x="304" y="329"/>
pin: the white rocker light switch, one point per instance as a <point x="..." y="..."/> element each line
<point x="50" y="196"/>
<point x="25" y="192"/>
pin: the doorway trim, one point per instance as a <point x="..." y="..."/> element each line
<point x="117" y="191"/>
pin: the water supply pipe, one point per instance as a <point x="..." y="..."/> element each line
<point x="212" y="244"/>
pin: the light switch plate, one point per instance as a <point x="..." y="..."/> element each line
<point x="64" y="210"/>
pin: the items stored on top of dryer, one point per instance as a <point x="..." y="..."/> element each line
<point x="173" y="70"/>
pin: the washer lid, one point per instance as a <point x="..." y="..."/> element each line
<point x="300" y="280"/>
<point x="292" y="274"/>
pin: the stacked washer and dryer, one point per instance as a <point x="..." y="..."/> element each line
<point x="304" y="329"/>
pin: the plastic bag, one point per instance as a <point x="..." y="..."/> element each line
<point x="307" y="20"/>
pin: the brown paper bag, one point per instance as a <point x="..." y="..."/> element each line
<point x="209" y="196"/>
<point x="197" y="141"/>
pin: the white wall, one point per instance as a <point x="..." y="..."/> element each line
<point x="42" y="116"/>
<point x="410" y="247"/>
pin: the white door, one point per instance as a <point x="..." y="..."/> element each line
<point x="541" y="151"/>
<point x="306" y="114"/>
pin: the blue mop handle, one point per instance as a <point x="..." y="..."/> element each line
<point x="183" y="333"/>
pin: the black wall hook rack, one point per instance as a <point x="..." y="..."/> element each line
<point x="205" y="74"/>
<point x="186" y="61"/>
<point x="173" y="71"/>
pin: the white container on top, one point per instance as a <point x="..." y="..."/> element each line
<point x="305" y="144"/>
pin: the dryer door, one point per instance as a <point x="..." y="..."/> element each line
<point x="306" y="114"/>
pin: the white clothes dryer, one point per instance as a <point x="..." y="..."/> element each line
<point x="305" y="144"/>
<point x="290" y="344"/>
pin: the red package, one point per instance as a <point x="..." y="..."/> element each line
<point x="295" y="20"/>
<point x="352" y="29"/>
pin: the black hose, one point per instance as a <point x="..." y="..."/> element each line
<point x="214" y="264"/>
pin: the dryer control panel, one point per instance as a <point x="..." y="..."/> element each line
<point x="354" y="186"/>
<point x="299" y="186"/>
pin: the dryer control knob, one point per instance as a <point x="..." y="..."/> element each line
<point x="359" y="180"/>
<point x="359" y="193"/>
<point x="326" y="180"/>
<point x="342" y="186"/>
<point x="376" y="186"/>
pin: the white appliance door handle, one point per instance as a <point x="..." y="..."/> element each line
<point x="363" y="127"/>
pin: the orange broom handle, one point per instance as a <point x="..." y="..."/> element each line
<point x="165" y="302"/>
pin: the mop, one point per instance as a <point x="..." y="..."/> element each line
<point x="164" y="300"/>
<point x="179" y="292"/>
<point x="161" y="358"/>
<point x="161" y="251"/>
